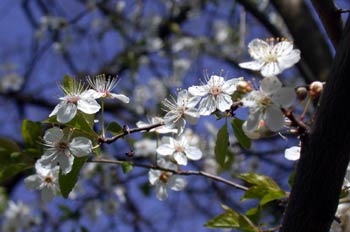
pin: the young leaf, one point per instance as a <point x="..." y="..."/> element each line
<point x="31" y="133"/>
<point x="239" y="133"/>
<point x="127" y="167"/>
<point x="114" y="128"/>
<point x="221" y="145"/>
<point x="68" y="181"/>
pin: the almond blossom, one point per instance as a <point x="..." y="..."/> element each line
<point x="163" y="180"/>
<point x="180" y="110"/>
<point x="180" y="150"/>
<point x="60" y="150"/>
<point x="46" y="180"/>
<point x="265" y="104"/>
<point x="218" y="94"/>
<point x="269" y="58"/>
<point x="76" y="98"/>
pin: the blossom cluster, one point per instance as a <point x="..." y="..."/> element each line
<point x="216" y="95"/>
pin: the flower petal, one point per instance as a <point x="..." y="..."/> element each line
<point x="81" y="146"/>
<point x="274" y="118"/>
<point x="207" y="105"/>
<point x="161" y="191"/>
<point x="88" y="105"/>
<point x="199" y="90"/>
<point x="289" y="60"/>
<point x="120" y="97"/>
<point x="48" y="193"/>
<point x="271" y="69"/>
<point x="33" y="181"/>
<point x="252" y="65"/>
<point x="284" y="97"/>
<point x="230" y="86"/>
<point x="67" y="112"/>
<point x="193" y="153"/>
<point x="270" y="85"/>
<point x="165" y="149"/>
<point x="65" y="163"/>
<point x="53" y="135"/>
<point x="192" y="115"/>
<point x="292" y="153"/>
<point x="180" y="158"/>
<point x="177" y="183"/>
<point x="257" y="48"/>
<point x="153" y="176"/>
<point x="253" y="119"/>
<point x="223" y="102"/>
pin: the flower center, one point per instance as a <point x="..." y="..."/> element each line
<point x="164" y="177"/>
<point x="270" y="58"/>
<point x="73" y="99"/>
<point x="48" y="179"/>
<point x="180" y="148"/>
<point x="265" y="101"/>
<point x="215" y="91"/>
<point x="61" y="146"/>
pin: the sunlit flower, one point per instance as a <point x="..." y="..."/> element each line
<point x="45" y="180"/>
<point x="60" y="150"/>
<point x="292" y="153"/>
<point x="102" y="87"/>
<point x="145" y="147"/>
<point x="164" y="180"/>
<point x="181" y="110"/>
<point x="180" y="150"/>
<point x="160" y="130"/>
<point x="265" y="104"/>
<point x="76" y="98"/>
<point x="271" y="59"/>
<point x="218" y="94"/>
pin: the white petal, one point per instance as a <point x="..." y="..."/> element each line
<point x="199" y="90"/>
<point x="67" y="112"/>
<point x="33" y="181"/>
<point x="180" y="125"/>
<point x="47" y="194"/>
<point x="120" y="97"/>
<point x="182" y="97"/>
<point x="153" y="176"/>
<point x="165" y="149"/>
<point x="170" y="118"/>
<point x="284" y="97"/>
<point x="88" y="105"/>
<point x="48" y="159"/>
<point x="53" y="135"/>
<point x="193" y="101"/>
<point x="216" y="81"/>
<point x="271" y="69"/>
<point x="292" y="153"/>
<point x="65" y="163"/>
<point x="91" y="93"/>
<point x="274" y="118"/>
<point x="252" y="65"/>
<point x="207" y="105"/>
<point x="289" y="60"/>
<point x="230" y="86"/>
<point x="252" y="134"/>
<point x="81" y="146"/>
<point x="282" y="48"/>
<point x="57" y="107"/>
<point x="253" y="119"/>
<point x="257" y="48"/>
<point x="193" y="153"/>
<point x="192" y="115"/>
<point x="270" y="85"/>
<point x="161" y="191"/>
<point x="177" y="183"/>
<point x="223" y="102"/>
<point x="180" y="158"/>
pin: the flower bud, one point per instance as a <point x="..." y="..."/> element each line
<point x="244" y="87"/>
<point x="315" y="89"/>
<point x="301" y="93"/>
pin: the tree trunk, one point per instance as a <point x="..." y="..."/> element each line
<point x="325" y="153"/>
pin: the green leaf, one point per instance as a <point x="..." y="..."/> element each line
<point x="221" y="146"/>
<point x="68" y="181"/>
<point x="31" y="133"/>
<point x="239" y="133"/>
<point x="114" y="128"/>
<point x="127" y="167"/>
<point x="232" y="219"/>
<point x="68" y="82"/>
<point x="264" y="188"/>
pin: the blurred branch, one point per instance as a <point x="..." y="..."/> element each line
<point x="331" y="19"/>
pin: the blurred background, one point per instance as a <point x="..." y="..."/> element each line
<point x="154" y="47"/>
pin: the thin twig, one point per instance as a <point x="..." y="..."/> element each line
<point x="177" y="172"/>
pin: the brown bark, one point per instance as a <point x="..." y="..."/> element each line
<point x="325" y="153"/>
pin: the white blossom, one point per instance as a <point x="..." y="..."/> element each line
<point x="60" y="150"/>
<point x="181" y="110"/>
<point x="265" y="104"/>
<point x="76" y="98"/>
<point x="218" y="94"/>
<point x="163" y="180"/>
<point x="180" y="150"/>
<point x="45" y="180"/>
<point x="269" y="58"/>
<point x="11" y="82"/>
<point x="145" y="147"/>
<point x="292" y="153"/>
<point x="102" y="87"/>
